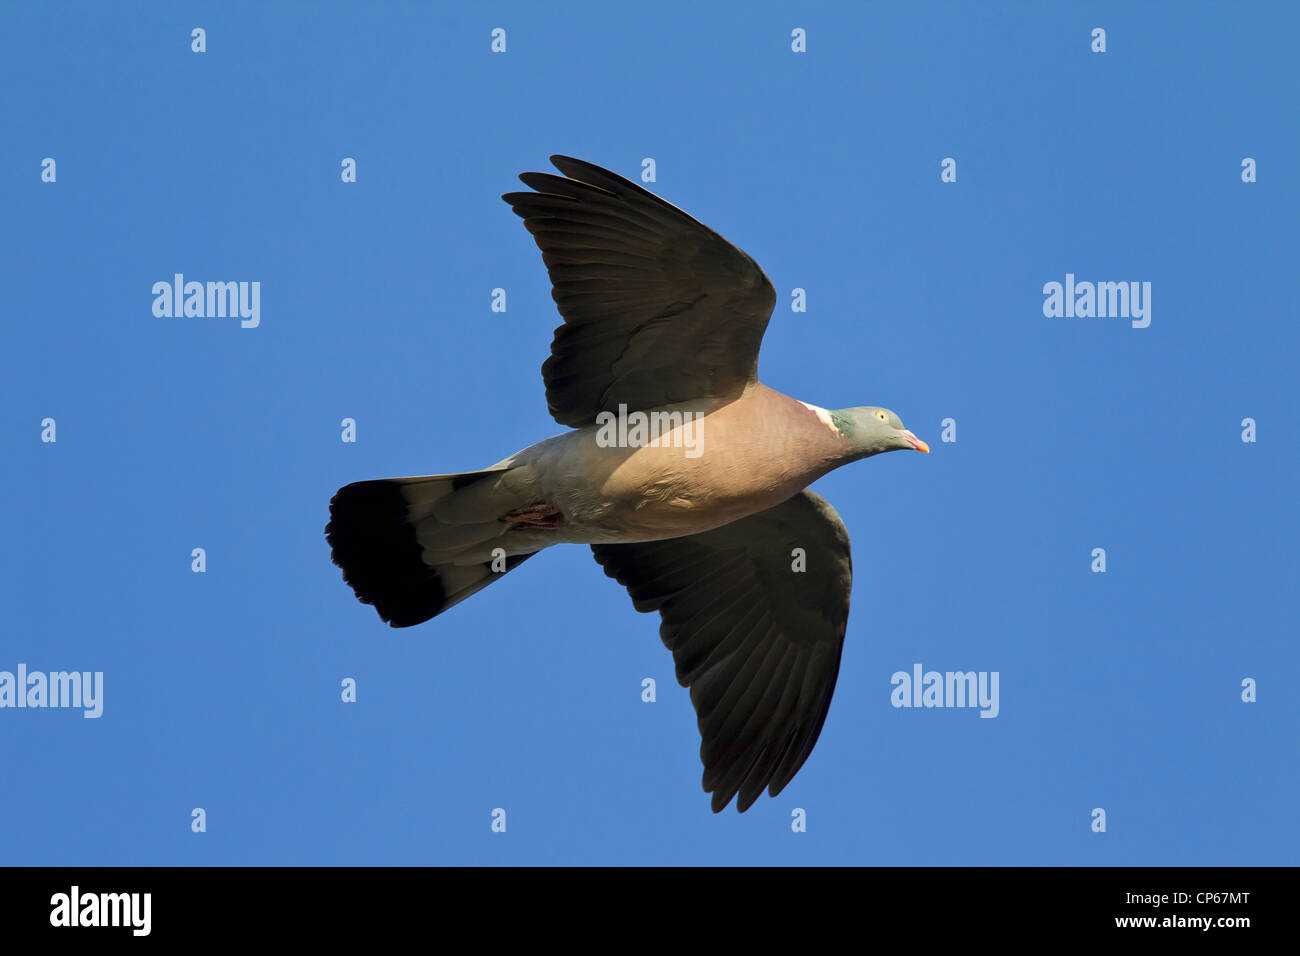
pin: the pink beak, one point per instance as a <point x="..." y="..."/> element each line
<point x="916" y="442"/>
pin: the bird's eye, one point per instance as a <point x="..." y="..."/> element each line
<point x="880" y="415"/>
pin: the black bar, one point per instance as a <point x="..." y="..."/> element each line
<point x="336" y="906"/>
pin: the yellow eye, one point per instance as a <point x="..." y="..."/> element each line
<point x="880" y="415"/>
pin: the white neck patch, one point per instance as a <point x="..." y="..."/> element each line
<point x="824" y="415"/>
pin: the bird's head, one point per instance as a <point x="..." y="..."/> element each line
<point x="871" y="430"/>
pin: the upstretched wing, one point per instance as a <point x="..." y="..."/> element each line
<point x="757" y="641"/>
<point x="657" y="307"/>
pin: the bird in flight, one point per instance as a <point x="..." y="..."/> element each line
<point x="685" y="474"/>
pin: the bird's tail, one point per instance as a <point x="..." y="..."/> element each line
<point x="414" y="547"/>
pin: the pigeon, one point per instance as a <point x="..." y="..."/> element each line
<point x="685" y="475"/>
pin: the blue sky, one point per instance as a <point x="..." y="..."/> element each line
<point x="1120" y="690"/>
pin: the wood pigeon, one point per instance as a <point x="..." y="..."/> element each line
<point x="685" y="474"/>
